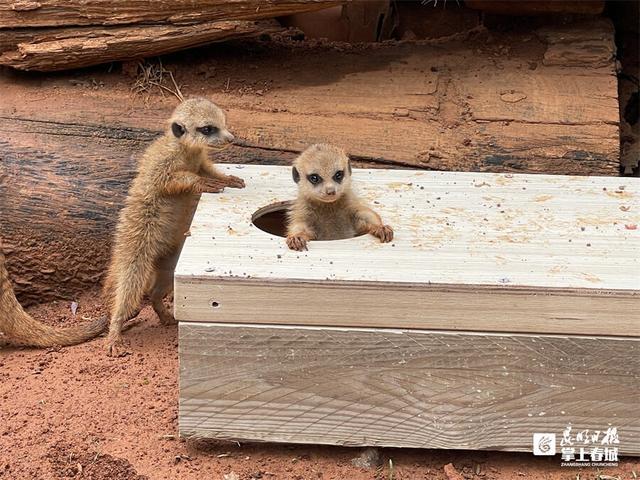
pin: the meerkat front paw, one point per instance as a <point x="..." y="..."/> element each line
<point x="208" y="185"/>
<point x="296" y="242"/>
<point x="234" y="182"/>
<point x="116" y="347"/>
<point x="383" y="232"/>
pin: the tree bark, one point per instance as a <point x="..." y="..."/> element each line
<point x="61" y="13"/>
<point x="65" y="48"/>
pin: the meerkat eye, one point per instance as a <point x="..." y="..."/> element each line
<point x="208" y="130"/>
<point x="338" y="176"/>
<point x="314" y="178"/>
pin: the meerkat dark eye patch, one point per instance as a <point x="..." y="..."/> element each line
<point x="295" y="174"/>
<point x="314" y="178"/>
<point x="177" y="129"/>
<point x="208" y="130"/>
<point x="338" y="176"/>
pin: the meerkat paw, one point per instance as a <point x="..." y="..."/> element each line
<point x="209" y="185"/>
<point x="234" y="182"/>
<point x="116" y="347"/>
<point x="296" y="242"/>
<point x="383" y="232"/>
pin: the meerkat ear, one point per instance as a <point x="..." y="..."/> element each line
<point x="349" y="166"/>
<point x="177" y="129"/>
<point x="295" y="174"/>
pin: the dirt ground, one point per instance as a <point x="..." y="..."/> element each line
<point x="76" y="413"/>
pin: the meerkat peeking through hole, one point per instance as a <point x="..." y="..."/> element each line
<point x="326" y="207"/>
<point x="151" y="229"/>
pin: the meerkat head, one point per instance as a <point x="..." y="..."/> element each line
<point x="322" y="172"/>
<point x="197" y="122"/>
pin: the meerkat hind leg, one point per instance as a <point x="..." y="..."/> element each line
<point x="116" y="346"/>
<point x="163" y="285"/>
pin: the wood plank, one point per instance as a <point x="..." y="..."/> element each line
<point x="451" y="228"/>
<point x="404" y="388"/>
<point x="409" y="306"/>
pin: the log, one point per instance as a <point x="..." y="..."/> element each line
<point x="71" y="140"/>
<point x="65" y="48"/>
<point x="60" y="13"/>
<point x="98" y="31"/>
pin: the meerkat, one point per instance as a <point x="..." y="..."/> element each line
<point x="19" y="328"/>
<point x="326" y="207"/>
<point x="172" y="172"/>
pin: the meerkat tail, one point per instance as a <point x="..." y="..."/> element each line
<point x="19" y="328"/>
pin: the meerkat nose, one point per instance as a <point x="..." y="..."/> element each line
<point x="331" y="190"/>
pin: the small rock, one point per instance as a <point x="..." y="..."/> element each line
<point x="230" y="476"/>
<point x="451" y="472"/>
<point x="368" y="458"/>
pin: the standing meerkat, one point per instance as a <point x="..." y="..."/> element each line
<point x="326" y="207"/>
<point x="19" y="328"/>
<point x="151" y="229"/>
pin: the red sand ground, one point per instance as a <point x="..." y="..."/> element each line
<point x="75" y="413"/>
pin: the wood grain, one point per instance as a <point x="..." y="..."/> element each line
<point x="451" y="228"/>
<point x="59" y="13"/>
<point x="403" y="388"/>
<point x="445" y="307"/>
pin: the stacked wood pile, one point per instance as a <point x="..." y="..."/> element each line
<point x="50" y="35"/>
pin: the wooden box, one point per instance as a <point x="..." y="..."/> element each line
<point x="506" y="305"/>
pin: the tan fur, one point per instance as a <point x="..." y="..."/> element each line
<point x="19" y="328"/>
<point x="328" y="210"/>
<point x="173" y="171"/>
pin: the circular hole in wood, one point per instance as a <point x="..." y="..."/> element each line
<point x="272" y="218"/>
<point x="215" y="304"/>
